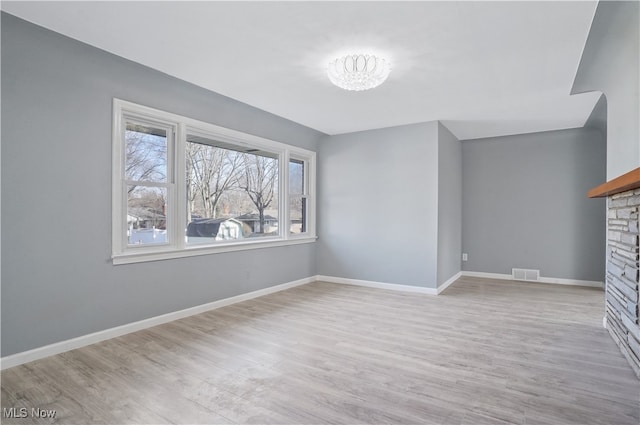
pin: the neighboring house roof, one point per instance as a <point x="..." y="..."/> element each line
<point x="255" y="217"/>
<point x="207" y="227"/>
<point x="138" y="213"/>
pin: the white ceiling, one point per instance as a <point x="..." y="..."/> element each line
<point x="483" y="68"/>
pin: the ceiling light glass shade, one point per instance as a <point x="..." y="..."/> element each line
<point x="358" y="72"/>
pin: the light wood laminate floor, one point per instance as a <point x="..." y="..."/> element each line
<point x="482" y="352"/>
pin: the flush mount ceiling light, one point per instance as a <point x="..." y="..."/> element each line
<point x="358" y="71"/>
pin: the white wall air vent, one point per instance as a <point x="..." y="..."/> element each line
<point x="525" y="274"/>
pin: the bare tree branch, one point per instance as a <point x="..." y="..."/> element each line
<point x="259" y="182"/>
<point x="211" y="171"/>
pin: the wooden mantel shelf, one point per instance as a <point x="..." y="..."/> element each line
<point x="625" y="182"/>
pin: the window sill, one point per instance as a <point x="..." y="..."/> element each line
<point x="141" y="257"/>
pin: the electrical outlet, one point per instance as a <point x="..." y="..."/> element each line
<point x="465" y="257"/>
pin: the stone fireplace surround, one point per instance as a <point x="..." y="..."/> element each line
<point x="622" y="277"/>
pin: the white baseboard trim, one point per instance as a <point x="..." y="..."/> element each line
<point x="487" y="275"/>
<point x="448" y="282"/>
<point x="573" y="282"/>
<point x="378" y="285"/>
<point x="82" y="341"/>
<point x="553" y="280"/>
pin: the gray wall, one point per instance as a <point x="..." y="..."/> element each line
<point x="525" y="205"/>
<point x="378" y="194"/>
<point x="598" y="118"/>
<point x="449" y="204"/>
<point x="57" y="280"/>
<point x="611" y="64"/>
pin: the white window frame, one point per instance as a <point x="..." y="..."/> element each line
<point x="177" y="128"/>
<point x="305" y="192"/>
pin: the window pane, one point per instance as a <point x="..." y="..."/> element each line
<point x="146" y="153"/>
<point x="232" y="192"/>
<point x="258" y="223"/>
<point x="296" y="177"/>
<point x="146" y="215"/>
<point x="298" y="214"/>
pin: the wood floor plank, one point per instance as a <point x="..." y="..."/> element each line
<point x="482" y="352"/>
